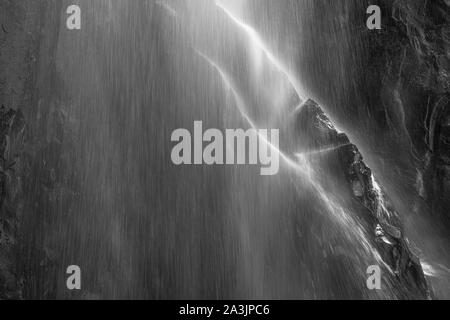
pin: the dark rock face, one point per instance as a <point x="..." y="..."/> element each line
<point x="24" y="39"/>
<point x="426" y="28"/>
<point x="390" y="89"/>
<point x="436" y="174"/>
<point x="343" y="163"/>
<point x="422" y="36"/>
<point x="12" y="127"/>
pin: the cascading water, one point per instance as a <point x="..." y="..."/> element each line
<point x="141" y="227"/>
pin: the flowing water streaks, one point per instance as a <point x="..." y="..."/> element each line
<point x="258" y="44"/>
<point x="380" y="199"/>
<point x="167" y="7"/>
<point x="304" y="171"/>
<point x="322" y="150"/>
<point x="298" y="162"/>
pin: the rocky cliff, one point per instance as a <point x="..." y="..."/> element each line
<point x="416" y="77"/>
<point x="343" y="165"/>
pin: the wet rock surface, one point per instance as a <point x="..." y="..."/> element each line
<point x="333" y="152"/>
<point x="12" y="127"/>
<point x="417" y="82"/>
<point x="23" y="41"/>
<point x="390" y="90"/>
<point x="17" y="58"/>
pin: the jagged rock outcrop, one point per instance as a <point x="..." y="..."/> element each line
<point x="343" y="163"/>
<point x="12" y="127"/>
